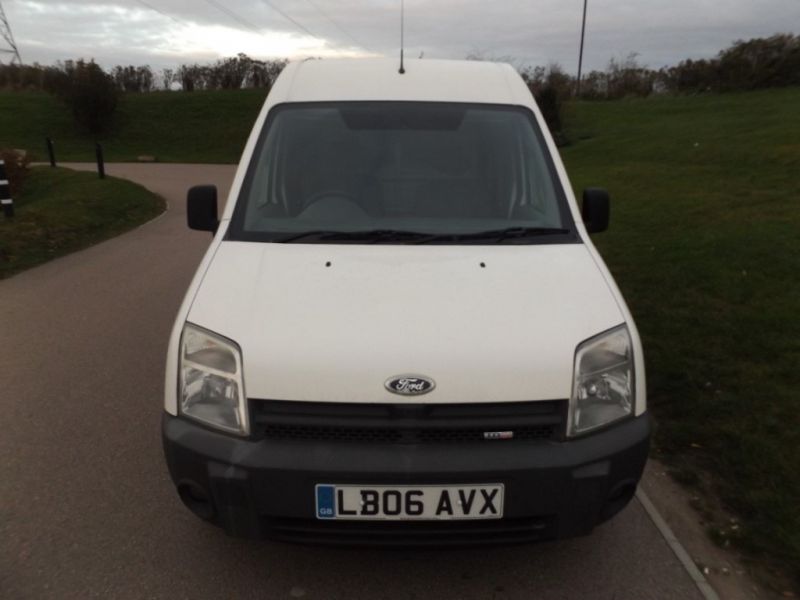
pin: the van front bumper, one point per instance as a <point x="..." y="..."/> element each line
<point x="266" y="488"/>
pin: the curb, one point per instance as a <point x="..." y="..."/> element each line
<point x="677" y="548"/>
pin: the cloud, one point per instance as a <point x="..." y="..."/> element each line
<point x="164" y="33"/>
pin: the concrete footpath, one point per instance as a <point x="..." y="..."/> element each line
<point x="86" y="505"/>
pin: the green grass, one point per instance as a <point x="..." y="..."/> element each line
<point x="705" y="244"/>
<point x="60" y="211"/>
<point x="203" y="127"/>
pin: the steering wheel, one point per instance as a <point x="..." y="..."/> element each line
<point x="314" y="198"/>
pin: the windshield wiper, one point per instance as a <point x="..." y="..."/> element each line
<point x="498" y="235"/>
<point x="374" y="236"/>
<point x="377" y="236"/>
<point x="302" y="235"/>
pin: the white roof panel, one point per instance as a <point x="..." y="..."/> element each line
<point x="379" y="79"/>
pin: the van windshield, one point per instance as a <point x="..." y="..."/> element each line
<point x="401" y="172"/>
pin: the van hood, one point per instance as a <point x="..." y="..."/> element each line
<point x="322" y="322"/>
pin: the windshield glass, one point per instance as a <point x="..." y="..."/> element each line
<point x="400" y="170"/>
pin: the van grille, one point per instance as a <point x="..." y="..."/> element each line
<point x="332" y="434"/>
<point x="407" y="424"/>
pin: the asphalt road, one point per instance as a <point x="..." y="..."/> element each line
<point x="87" y="508"/>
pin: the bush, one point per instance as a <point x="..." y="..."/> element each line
<point x="550" y="87"/>
<point x="132" y="79"/>
<point x="16" y="168"/>
<point x="90" y="93"/>
<point x="760" y="63"/>
<point x="549" y="103"/>
<point x="747" y="65"/>
<point x="628" y="78"/>
<point x="233" y="73"/>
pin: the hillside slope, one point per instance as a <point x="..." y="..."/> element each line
<point x="705" y="244"/>
<point x="206" y="127"/>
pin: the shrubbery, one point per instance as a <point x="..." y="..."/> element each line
<point x="550" y="86"/>
<point x="234" y="73"/>
<point x="132" y="79"/>
<point x="92" y="94"/>
<point x="746" y="65"/>
<point x="89" y="92"/>
<point x="754" y="64"/>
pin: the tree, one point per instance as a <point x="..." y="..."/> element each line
<point x="167" y="77"/>
<point x="90" y="93"/>
<point x="629" y="78"/>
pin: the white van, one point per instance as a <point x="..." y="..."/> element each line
<point x="401" y="332"/>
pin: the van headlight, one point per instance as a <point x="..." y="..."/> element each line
<point x="210" y="388"/>
<point x="603" y="389"/>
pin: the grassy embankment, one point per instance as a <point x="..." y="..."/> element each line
<point x="201" y="127"/>
<point x="705" y="244"/>
<point x="60" y="211"/>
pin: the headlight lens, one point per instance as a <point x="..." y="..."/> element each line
<point x="603" y="390"/>
<point x="211" y="387"/>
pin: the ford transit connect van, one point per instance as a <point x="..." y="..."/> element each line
<point x="401" y="332"/>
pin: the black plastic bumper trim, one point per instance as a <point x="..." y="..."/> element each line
<point x="265" y="488"/>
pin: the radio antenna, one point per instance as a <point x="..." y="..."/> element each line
<point x="402" y="35"/>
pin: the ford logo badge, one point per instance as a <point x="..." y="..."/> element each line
<point x="410" y="385"/>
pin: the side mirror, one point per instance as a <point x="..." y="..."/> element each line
<point x="201" y="208"/>
<point x="596" y="209"/>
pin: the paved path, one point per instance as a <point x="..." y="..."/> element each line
<point x="86" y="506"/>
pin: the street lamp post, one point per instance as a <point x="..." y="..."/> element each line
<point x="580" y="55"/>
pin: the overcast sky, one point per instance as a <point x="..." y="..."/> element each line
<point x="164" y="33"/>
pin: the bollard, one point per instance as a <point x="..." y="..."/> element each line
<point x="101" y="165"/>
<point x="5" y="192"/>
<point x="51" y="152"/>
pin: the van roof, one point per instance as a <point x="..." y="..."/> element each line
<point x="319" y="80"/>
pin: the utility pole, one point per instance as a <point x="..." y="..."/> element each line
<point x="9" y="45"/>
<point x="580" y="56"/>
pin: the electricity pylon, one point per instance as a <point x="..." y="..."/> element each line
<point x="7" y="43"/>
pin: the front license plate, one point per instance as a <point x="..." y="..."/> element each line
<point x="409" y="502"/>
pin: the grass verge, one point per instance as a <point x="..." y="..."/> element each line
<point x="705" y="244"/>
<point x="198" y="127"/>
<point x="60" y="211"/>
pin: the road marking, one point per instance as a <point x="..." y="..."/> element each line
<point x="676" y="547"/>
